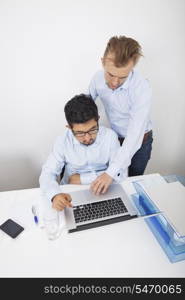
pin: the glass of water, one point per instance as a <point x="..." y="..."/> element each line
<point x="52" y="223"/>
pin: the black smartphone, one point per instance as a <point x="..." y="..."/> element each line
<point x="11" y="228"/>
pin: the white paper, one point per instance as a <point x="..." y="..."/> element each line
<point x="170" y="199"/>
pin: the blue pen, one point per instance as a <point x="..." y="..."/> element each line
<point x="35" y="215"/>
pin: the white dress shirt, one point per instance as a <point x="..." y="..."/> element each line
<point x="88" y="161"/>
<point x="127" y="109"/>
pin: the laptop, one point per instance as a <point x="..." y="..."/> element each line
<point x="91" y="211"/>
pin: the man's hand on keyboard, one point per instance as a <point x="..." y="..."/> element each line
<point x="60" y="201"/>
<point x="101" y="183"/>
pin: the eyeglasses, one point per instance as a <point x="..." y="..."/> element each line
<point x="83" y="133"/>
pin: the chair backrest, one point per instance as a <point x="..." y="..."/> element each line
<point x="62" y="173"/>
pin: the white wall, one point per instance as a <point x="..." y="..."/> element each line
<point x="49" y="49"/>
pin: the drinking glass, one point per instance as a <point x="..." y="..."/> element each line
<point x="52" y="223"/>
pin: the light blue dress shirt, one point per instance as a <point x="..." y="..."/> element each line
<point x="88" y="161"/>
<point x="128" y="110"/>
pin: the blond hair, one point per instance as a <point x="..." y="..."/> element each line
<point x="122" y="49"/>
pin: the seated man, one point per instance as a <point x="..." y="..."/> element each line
<point x="85" y="149"/>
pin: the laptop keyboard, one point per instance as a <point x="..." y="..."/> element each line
<point x="99" y="210"/>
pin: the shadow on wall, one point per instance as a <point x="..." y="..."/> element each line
<point x="18" y="173"/>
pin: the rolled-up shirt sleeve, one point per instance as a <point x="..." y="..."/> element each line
<point x="140" y="97"/>
<point x="50" y="171"/>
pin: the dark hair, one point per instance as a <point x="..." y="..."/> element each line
<point x="80" y="109"/>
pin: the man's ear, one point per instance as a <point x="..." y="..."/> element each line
<point x="68" y="126"/>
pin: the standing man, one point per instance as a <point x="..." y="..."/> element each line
<point x="126" y="96"/>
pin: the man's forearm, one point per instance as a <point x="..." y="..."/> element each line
<point x="49" y="185"/>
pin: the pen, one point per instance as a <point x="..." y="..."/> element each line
<point x="35" y="215"/>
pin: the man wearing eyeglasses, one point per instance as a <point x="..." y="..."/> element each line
<point x="85" y="149"/>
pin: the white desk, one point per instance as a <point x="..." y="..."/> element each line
<point x="125" y="249"/>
